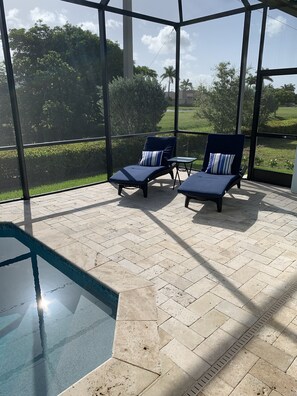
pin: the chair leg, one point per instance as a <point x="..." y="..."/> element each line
<point x="219" y="204"/>
<point x="171" y="174"/>
<point x="187" y="202"/>
<point x="120" y="189"/>
<point x="238" y="184"/>
<point x="144" y="189"/>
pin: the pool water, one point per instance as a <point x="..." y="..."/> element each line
<point x="56" y="322"/>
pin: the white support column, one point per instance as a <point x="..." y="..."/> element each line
<point x="127" y="41"/>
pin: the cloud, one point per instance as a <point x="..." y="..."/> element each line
<point x="169" y="62"/>
<point x="48" y="17"/>
<point x="164" y="42"/>
<point x="12" y="14"/>
<point x="185" y="42"/>
<point x="189" y="57"/>
<point x="62" y="19"/>
<point x="12" y="18"/>
<point x="91" y="26"/>
<point x="112" y="24"/>
<point x="275" y="26"/>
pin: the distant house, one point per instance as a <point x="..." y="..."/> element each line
<point x="186" y="98"/>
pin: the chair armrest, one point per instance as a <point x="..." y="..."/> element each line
<point x="243" y="170"/>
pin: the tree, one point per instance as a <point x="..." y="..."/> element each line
<point x="186" y="85"/>
<point x="251" y="79"/>
<point x="286" y="94"/>
<point x="58" y="75"/>
<point x="145" y="71"/>
<point x="170" y="74"/>
<point x="185" y="97"/>
<point x="136" y="105"/>
<point x="218" y="103"/>
<point x="269" y="103"/>
<point x="6" y="125"/>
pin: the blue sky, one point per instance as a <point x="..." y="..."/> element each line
<point x="203" y="45"/>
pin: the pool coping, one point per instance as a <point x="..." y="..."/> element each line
<point x="135" y="362"/>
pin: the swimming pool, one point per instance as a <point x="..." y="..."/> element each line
<point x="56" y="322"/>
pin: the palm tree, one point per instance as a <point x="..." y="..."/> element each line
<point x="186" y="85"/>
<point x="170" y="74"/>
<point x="252" y="79"/>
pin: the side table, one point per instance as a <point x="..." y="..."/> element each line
<point x="186" y="161"/>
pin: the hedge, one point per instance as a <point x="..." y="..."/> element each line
<point x="54" y="164"/>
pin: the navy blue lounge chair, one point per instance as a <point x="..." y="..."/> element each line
<point x="221" y="170"/>
<point x="156" y="152"/>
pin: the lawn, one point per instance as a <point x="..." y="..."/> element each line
<point x="187" y="120"/>
<point x="271" y="154"/>
<point x="286" y="113"/>
<point x="43" y="189"/>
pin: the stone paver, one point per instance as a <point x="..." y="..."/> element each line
<point x="209" y="323"/>
<point x="270" y="353"/>
<point x="276" y="379"/>
<point x="249" y="386"/>
<point x="191" y="283"/>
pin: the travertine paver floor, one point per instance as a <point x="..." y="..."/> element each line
<point x="212" y="275"/>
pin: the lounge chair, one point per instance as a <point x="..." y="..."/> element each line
<point x="156" y="152"/>
<point x="221" y="170"/>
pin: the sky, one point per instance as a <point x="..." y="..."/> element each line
<point x="203" y="45"/>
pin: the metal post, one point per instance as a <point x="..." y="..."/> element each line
<point x="177" y="72"/>
<point x="107" y="127"/>
<point x="14" y="103"/>
<point x="244" y="54"/>
<point x="180" y="11"/>
<point x="127" y="40"/>
<point x="257" y="101"/>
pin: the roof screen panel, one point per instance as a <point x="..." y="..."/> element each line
<point x="280" y="40"/>
<point x="164" y="9"/>
<point x="199" y="8"/>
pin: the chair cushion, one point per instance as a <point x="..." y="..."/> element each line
<point x="166" y="144"/>
<point x="220" y="164"/>
<point x="207" y="185"/>
<point x="135" y="174"/>
<point x="151" y="158"/>
<point x="225" y="144"/>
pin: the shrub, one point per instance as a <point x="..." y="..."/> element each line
<point x="258" y="161"/>
<point x="273" y="163"/>
<point x="136" y="105"/>
<point x="289" y="165"/>
<point x="54" y="164"/>
<point x="283" y="127"/>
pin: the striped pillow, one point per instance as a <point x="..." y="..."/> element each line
<point x="220" y="164"/>
<point x="151" y="158"/>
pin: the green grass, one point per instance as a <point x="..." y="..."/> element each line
<point x="286" y="113"/>
<point x="46" y="188"/>
<point x="276" y="154"/>
<point x="188" y="121"/>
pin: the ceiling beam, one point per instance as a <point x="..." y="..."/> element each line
<point x="287" y="6"/>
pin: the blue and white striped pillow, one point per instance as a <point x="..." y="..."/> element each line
<point x="220" y="164"/>
<point x="151" y="158"/>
